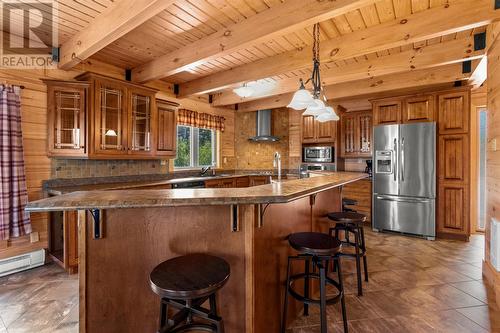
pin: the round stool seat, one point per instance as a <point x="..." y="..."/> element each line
<point x="347" y="217"/>
<point x="190" y="276"/>
<point x="314" y="243"/>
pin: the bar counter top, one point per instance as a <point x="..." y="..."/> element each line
<point x="276" y="192"/>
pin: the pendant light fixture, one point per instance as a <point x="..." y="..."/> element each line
<point x="312" y="102"/>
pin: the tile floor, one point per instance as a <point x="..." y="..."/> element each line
<point x="415" y="286"/>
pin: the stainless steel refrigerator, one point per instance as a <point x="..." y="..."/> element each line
<point x="404" y="178"/>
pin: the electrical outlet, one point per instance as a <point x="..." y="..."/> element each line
<point x="492" y="144"/>
<point x="34" y="237"/>
<point x="163" y="162"/>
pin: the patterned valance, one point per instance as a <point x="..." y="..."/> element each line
<point x="201" y="120"/>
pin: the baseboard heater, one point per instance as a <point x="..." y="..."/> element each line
<point x="22" y="262"/>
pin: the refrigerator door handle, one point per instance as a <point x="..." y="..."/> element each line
<point x="402" y="199"/>
<point x="403" y="159"/>
<point x="394" y="159"/>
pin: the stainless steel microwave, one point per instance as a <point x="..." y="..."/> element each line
<point x="318" y="154"/>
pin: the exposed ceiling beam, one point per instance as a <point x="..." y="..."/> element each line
<point x="480" y="74"/>
<point x="118" y="19"/>
<point x="414" y="59"/>
<point x="435" y="22"/>
<point x="276" y="21"/>
<point x="385" y="83"/>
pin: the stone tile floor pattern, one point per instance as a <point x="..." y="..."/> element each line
<point x="415" y="286"/>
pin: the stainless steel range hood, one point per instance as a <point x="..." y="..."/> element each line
<point x="264" y="127"/>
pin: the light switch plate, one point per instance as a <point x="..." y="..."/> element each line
<point x="34" y="237"/>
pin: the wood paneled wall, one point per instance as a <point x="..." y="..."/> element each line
<point x="34" y="127"/>
<point x="493" y="155"/>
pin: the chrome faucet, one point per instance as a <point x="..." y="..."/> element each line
<point x="277" y="164"/>
<point x="204" y="170"/>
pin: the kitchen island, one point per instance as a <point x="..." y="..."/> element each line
<point x="123" y="234"/>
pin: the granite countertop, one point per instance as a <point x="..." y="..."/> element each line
<point x="58" y="190"/>
<point x="277" y="192"/>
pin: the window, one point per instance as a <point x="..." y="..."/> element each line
<point x="196" y="147"/>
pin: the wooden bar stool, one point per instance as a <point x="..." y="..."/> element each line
<point x="319" y="249"/>
<point x="351" y="222"/>
<point x="185" y="283"/>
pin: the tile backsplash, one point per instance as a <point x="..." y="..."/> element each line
<point x="68" y="168"/>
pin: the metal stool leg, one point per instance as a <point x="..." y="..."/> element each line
<point x="322" y="291"/>
<point x="358" y="263"/>
<point x="342" y="299"/>
<point x="363" y="244"/>
<point x="163" y="314"/>
<point x="306" y="287"/>
<point x="285" y="307"/>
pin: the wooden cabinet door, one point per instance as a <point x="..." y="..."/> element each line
<point x="141" y="118"/>
<point x="453" y="112"/>
<point x="66" y="119"/>
<point x="453" y="210"/>
<point x="166" y="130"/>
<point x="364" y="135"/>
<point x="387" y="112"/>
<point x="326" y="132"/>
<point x="418" y="109"/>
<point x="228" y="182"/>
<point x="308" y="129"/>
<point x="70" y="229"/>
<point x="348" y="135"/>
<point x="110" y="118"/>
<point x="243" y="181"/>
<point x="259" y="180"/>
<point x="453" y="162"/>
<point x="213" y="183"/>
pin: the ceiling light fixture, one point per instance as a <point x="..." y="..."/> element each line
<point x="303" y="99"/>
<point x="244" y="91"/>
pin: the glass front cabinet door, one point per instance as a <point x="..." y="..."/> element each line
<point x="110" y="118"/>
<point x="66" y="106"/>
<point x="141" y="106"/>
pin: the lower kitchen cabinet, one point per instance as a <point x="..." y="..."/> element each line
<point x="63" y="241"/>
<point x="361" y="191"/>
<point x="242" y="181"/>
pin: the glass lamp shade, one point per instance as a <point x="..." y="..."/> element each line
<point x="301" y="100"/>
<point x="243" y="91"/>
<point x="329" y="115"/>
<point x="316" y="109"/>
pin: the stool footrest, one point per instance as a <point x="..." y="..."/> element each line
<point x="303" y="299"/>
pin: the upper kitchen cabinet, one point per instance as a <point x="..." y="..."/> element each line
<point x="66" y="118"/>
<point x="356" y="134"/>
<point x="418" y="109"/>
<point x="122" y="119"/>
<point x="140" y="129"/>
<point x="387" y="111"/>
<point x="110" y="118"/>
<point x="314" y="131"/>
<point x="166" y="128"/>
<point x="403" y="110"/>
<point x="454" y="110"/>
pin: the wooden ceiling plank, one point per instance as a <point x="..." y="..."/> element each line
<point x="276" y="21"/>
<point x="414" y="28"/>
<point x="113" y="23"/>
<point x="416" y="79"/>
<point x="355" y="20"/>
<point x="385" y="11"/>
<point x="419" y="5"/>
<point x="370" y="16"/>
<point x="414" y="59"/>
<point x="402" y="7"/>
